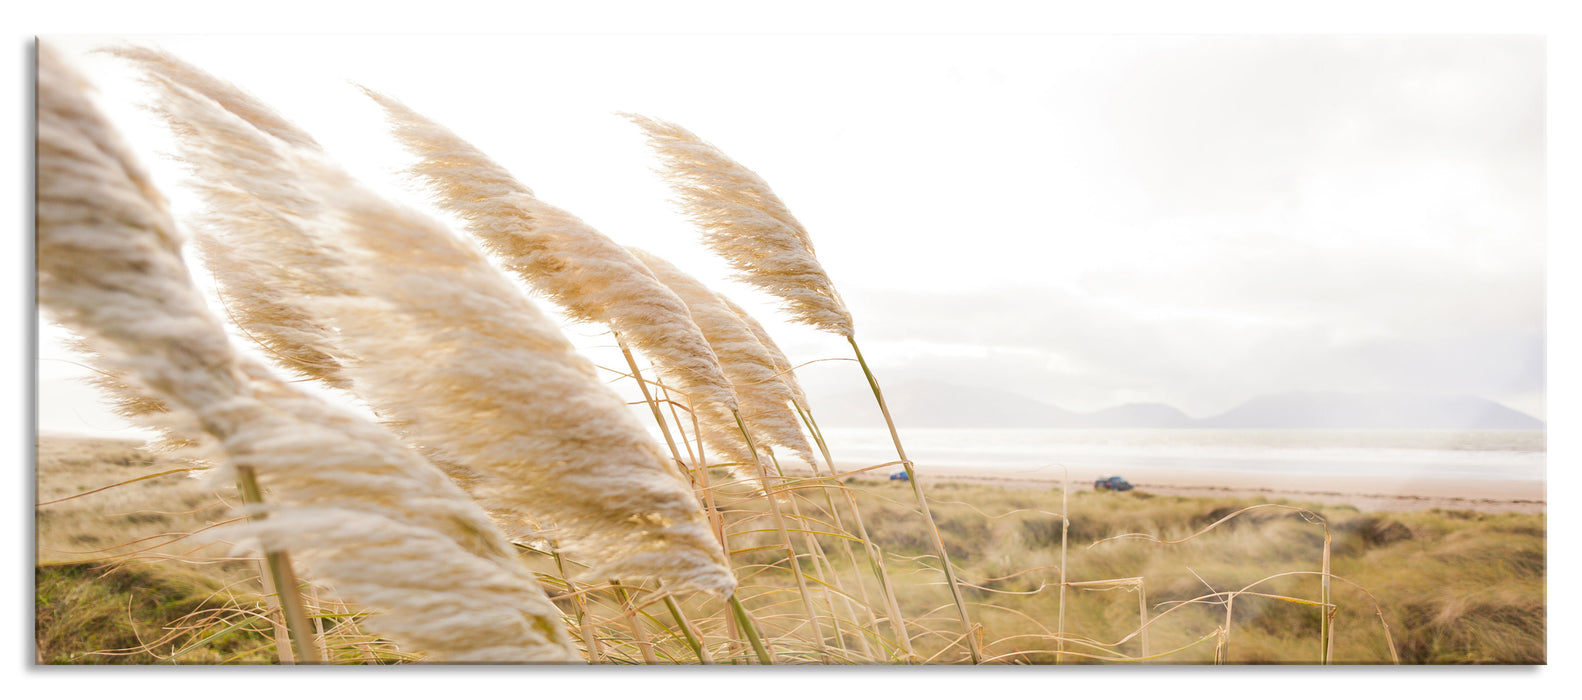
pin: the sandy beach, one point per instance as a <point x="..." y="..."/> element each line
<point x="1366" y="494"/>
<point x="1373" y="494"/>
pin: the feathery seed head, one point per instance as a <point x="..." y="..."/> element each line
<point x="236" y="101"/>
<point x="783" y="367"/>
<point x="763" y="397"/>
<point x="438" y="342"/>
<point x="743" y="221"/>
<point x="373" y="520"/>
<point x="562" y="257"/>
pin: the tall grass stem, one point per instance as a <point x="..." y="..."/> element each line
<point x="688" y="632"/>
<point x="1326" y="631"/>
<point x="659" y="417"/>
<point x="785" y="536"/>
<point x="590" y="639"/>
<point x="820" y="562"/>
<point x="634" y="620"/>
<point x="874" y="554"/>
<point x="283" y="578"/>
<point x="1065" y="529"/>
<point x="922" y="502"/>
<point x="745" y="621"/>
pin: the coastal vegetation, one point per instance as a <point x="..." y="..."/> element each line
<point x="118" y="582"/>
<point x="478" y="493"/>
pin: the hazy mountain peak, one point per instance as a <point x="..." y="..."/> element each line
<point x="1350" y="410"/>
<point x="932" y="404"/>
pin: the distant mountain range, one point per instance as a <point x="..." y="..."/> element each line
<point x="71" y="406"/>
<point x="938" y="405"/>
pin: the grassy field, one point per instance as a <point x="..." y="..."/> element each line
<point x="119" y="581"/>
<point x="1453" y="586"/>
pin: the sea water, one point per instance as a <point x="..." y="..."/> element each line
<point x="1460" y="454"/>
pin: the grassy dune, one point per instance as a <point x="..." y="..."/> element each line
<point x="123" y="575"/>
<point x="118" y="579"/>
<point x="117" y="582"/>
<point x="1453" y="586"/>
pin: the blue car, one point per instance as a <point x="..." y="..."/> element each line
<point x="900" y="476"/>
<point x="1113" y="483"/>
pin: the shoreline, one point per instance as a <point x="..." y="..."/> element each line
<point x="1368" y="494"/>
<point x="1383" y="494"/>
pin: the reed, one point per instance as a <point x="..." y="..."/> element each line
<point x="764" y="415"/>
<point x="110" y="267"/>
<point x="282" y="580"/>
<point x="764" y="399"/>
<point x="536" y="437"/>
<point x="799" y="401"/>
<point x="493" y="429"/>
<point x="593" y="278"/>
<point x="234" y="168"/>
<point x="744" y="222"/>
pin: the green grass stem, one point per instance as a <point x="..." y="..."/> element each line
<point x="874" y="554"/>
<point x="922" y="502"/>
<point x="785" y="535"/>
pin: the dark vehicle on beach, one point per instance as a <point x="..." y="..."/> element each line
<point x="1113" y="483"/>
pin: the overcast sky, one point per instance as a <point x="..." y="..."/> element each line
<point x="1086" y="220"/>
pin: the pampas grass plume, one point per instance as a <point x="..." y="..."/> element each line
<point x="593" y="278"/>
<point x="440" y="343"/>
<point x="763" y="397"/>
<point x="782" y="364"/>
<point x="369" y="518"/>
<point x="744" y="222"/>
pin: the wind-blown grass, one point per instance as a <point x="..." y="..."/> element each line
<point x="467" y="376"/>
<point x="441" y="343"/>
<point x="592" y="277"/>
<point x="1456" y="587"/>
<point x="746" y="224"/>
<point x="743" y="221"/>
<point x="764" y="398"/>
<point x="369" y="518"/>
